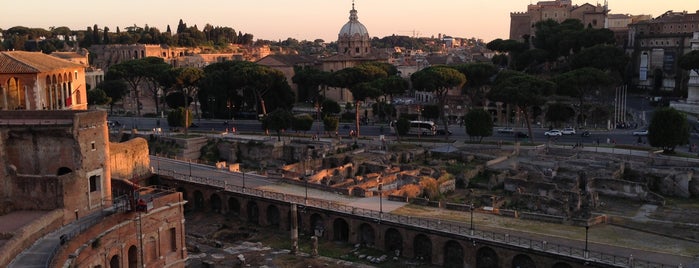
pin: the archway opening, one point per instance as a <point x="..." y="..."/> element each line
<point x="198" y="201"/>
<point x="133" y="257"/>
<point x="394" y="241"/>
<point x="367" y="236"/>
<point x="233" y="207"/>
<point x="453" y="254"/>
<point x="215" y="202"/>
<point x="253" y="213"/>
<point x="273" y="217"/>
<point x="487" y="258"/>
<point x="114" y="262"/>
<point x="317" y="225"/>
<point x="523" y="261"/>
<point x="340" y="230"/>
<point x="422" y="247"/>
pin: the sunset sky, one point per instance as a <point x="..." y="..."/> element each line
<point x="303" y="19"/>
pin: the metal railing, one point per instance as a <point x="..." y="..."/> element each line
<point x="451" y="227"/>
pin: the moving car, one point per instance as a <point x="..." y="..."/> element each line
<point x="585" y="134"/>
<point x="642" y="132"/>
<point x="553" y="133"/>
<point x="568" y="131"/>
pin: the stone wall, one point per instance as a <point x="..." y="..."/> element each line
<point x="130" y="159"/>
<point x="28" y="234"/>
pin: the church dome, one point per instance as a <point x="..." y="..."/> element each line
<point x="353" y="26"/>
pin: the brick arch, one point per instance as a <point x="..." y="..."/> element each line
<point x="317" y="224"/>
<point x="562" y="265"/>
<point x="215" y="203"/>
<point x="367" y="235"/>
<point x="114" y="261"/>
<point x="453" y="254"/>
<point x="233" y="206"/>
<point x="340" y="230"/>
<point x="63" y="171"/>
<point x="133" y="257"/>
<point x="273" y="216"/>
<point x="523" y="261"/>
<point x="393" y="240"/>
<point x="486" y="257"/>
<point x="422" y="247"/>
<point x="253" y="214"/>
<point x="198" y="201"/>
<point x="187" y="206"/>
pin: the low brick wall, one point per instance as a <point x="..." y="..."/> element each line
<point x="398" y="198"/>
<point x="27" y="235"/>
<point x="459" y="207"/>
<point x="542" y="217"/>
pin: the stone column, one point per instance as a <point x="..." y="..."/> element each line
<point x="294" y="229"/>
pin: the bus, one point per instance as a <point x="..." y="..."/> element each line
<point x="427" y="128"/>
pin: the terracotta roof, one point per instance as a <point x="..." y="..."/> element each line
<point x="32" y="62"/>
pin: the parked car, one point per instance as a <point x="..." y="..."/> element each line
<point x="506" y="130"/>
<point x="553" y="133"/>
<point x="642" y="132"/>
<point x="568" y="131"/>
<point x="521" y="135"/>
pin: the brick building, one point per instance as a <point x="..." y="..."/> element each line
<point x="36" y="81"/>
<point x="522" y="23"/>
<point x="59" y="167"/>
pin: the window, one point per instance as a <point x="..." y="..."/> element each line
<point x="93" y="145"/>
<point x="173" y="239"/>
<point x="76" y="75"/>
<point x="94" y="183"/>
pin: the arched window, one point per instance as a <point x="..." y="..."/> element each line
<point x="15" y="94"/>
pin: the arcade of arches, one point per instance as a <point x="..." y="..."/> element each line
<point x="426" y="246"/>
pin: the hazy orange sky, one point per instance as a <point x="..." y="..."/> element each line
<point x="303" y="19"/>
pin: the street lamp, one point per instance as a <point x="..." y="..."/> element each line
<point x="305" y="179"/>
<point x="587" y="228"/>
<point x="472" y="218"/>
<point x="243" y="180"/>
<point x="380" y="198"/>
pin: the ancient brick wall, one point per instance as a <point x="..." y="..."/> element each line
<point x="129" y="159"/>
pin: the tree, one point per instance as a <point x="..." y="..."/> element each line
<point x="277" y="120"/>
<point x="330" y="107"/>
<point x="690" y="61"/>
<point x="603" y="57"/>
<point x="184" y="80"/>
<point x="359" y="81"/>
<point x="438" y="79"/>
<point x="480" y="77"/>
<point x="402" y="127"/>
<point x="97" y="96"/>
<point x="180" y="117"/>
<point x="309" y="81"/>
<point x="582" y="84"/>
<point x="478" y="123"/>
<point x="114" y="89"/>
<point x="523" y="91"/>
<point x="155" y="71"/>
<point x="559" y="113"/>
<point x="668" y="128"/>
<point x="330" y="124"/>
<point x="132" y="72"/>
<point x="302" y="122"/>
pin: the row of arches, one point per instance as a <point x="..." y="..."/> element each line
<point x="57" y="93"/>
<point x="419" y="246"/>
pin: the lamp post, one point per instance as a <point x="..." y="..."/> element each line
<point x="243" y="180"/>
<point x="472" y="218"/>
<point x="380" y="198"/>
<point x="305" y="179"/>
<point x="587" y="253"/>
